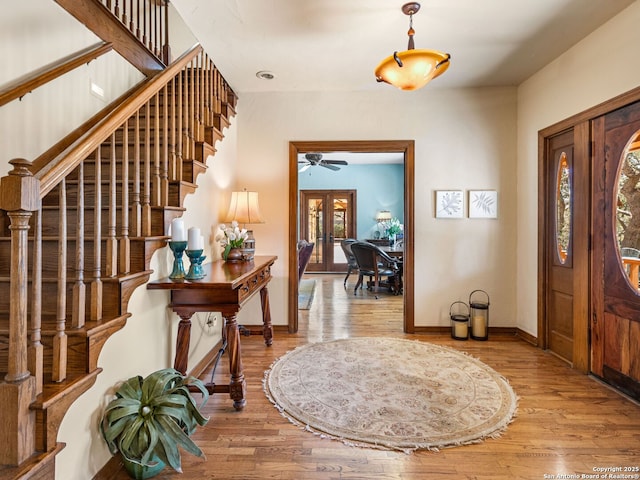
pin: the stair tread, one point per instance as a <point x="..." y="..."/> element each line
<point x="48" y="323"/>
<point x="33" y="465"/>
<point x="54" y="391"/>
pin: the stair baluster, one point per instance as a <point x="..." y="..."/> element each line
<point x="79" y="288"/>
<point x="59" y="367"/>
<point x="111" y="266"/>
<point x="125" y="242"/>
<point x="146" y="190"/>
<point x="96" y="283"/>
<point x="136" y="206"/>
<point x="35" y="351"/>
<point x="179" y="118"/>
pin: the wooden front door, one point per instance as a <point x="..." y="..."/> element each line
<point x="326" y="218"/>
<point x="616" y="299"/>
<point x="559" y="238"/>
<point x="564" y="228"/>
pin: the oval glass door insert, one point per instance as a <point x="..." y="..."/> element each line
<point x="628" y="211"/>
<point x="563" y="209"/>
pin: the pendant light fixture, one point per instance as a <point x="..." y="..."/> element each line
<point x="413" y="68"/>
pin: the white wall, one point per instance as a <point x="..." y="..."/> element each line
<point x="465" y="139"/>
<point x="600" y="67"/>
<point x="37" y="33"/>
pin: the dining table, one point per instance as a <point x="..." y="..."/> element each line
<point x="396" y="251"/>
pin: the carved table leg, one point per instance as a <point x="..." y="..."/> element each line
<point x="182" y="342"/>
<point x="267" y="330"/>
<point x="237" y="383"/>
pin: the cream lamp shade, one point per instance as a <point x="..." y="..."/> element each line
<point x="244" y="208"/>
<point x="383" y="216"/>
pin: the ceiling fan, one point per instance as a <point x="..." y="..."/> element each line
<point x="313" y="159"/>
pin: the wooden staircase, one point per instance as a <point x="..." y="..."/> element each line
<point x="78" y="228"/>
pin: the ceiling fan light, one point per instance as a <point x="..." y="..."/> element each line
<point x="419" y="67"/>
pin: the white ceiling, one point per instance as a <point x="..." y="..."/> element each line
<point x="334" y="45"/>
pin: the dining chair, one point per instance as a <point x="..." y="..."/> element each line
<point x="381" y="269"/>
<point x="304" y="255"/>
<point x="352" y="265"/>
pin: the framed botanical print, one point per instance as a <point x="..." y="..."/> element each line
<point x="449" y="204"/>
<point x="483" y="204"/>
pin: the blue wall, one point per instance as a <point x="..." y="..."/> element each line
<point x="379" y="187"/>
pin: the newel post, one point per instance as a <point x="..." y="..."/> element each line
<point x="19" y="197"/>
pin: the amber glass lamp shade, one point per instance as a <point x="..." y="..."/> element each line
<point x="418" y="68"/>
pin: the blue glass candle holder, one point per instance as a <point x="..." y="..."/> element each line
<point x="195" y="270"/>
<point x="178" y="249"/>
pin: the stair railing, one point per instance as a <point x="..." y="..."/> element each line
<point x="138" y="29"/>
<point x="33" y="80"/>
<point x="148" y="20"/>
<point x="119" y="165"/>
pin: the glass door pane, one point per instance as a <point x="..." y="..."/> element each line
<point x="340" y="217"/>
<point x="315" y="227"/>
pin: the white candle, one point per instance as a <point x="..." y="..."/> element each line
<point x="479" y="326"/>
<point x="460" y="329"/>
<point x="177" y="230"/>
<point x="196" y="241"/>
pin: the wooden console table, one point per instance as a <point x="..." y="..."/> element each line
<point x="225" y="288"/>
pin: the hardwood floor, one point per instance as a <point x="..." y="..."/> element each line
<point x="567" y="423"/>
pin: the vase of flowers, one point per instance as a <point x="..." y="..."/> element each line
<point x="392" y="228"/>
<point x="231" y="239"/>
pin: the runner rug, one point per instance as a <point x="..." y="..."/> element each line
<point x="306" y="291"/>
<point x="391" y="393"/>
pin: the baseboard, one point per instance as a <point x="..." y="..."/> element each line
<point x="432" y="330"/>
<point x="439" y="330"/>
<point x="200" y="367"/>
<point x="527" y="337"/>
<point x="110" y="469"/>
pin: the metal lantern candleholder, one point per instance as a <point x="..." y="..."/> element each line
<point x="459" y="321"/>
<point x="479" y="308"/>
<point x="178" y="267"/>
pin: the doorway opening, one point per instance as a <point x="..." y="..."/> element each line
<point x="407" y="148"/>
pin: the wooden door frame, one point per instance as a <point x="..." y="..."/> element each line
<point x="407" y="147"/>
<point x="585" y="212"/>
<point x="352" y="225"/>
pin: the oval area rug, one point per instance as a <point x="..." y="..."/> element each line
<point x="390" y="393"/>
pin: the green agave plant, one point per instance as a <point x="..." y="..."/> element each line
<point x="151" y="417"/>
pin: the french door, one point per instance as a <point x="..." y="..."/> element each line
<point x="616" y="322"/>
<point x="563" y="280"/>
<point x="592" y="274"/>
<point x="326" y="218"/>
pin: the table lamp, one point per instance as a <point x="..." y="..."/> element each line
<point x="245" y="209"/>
